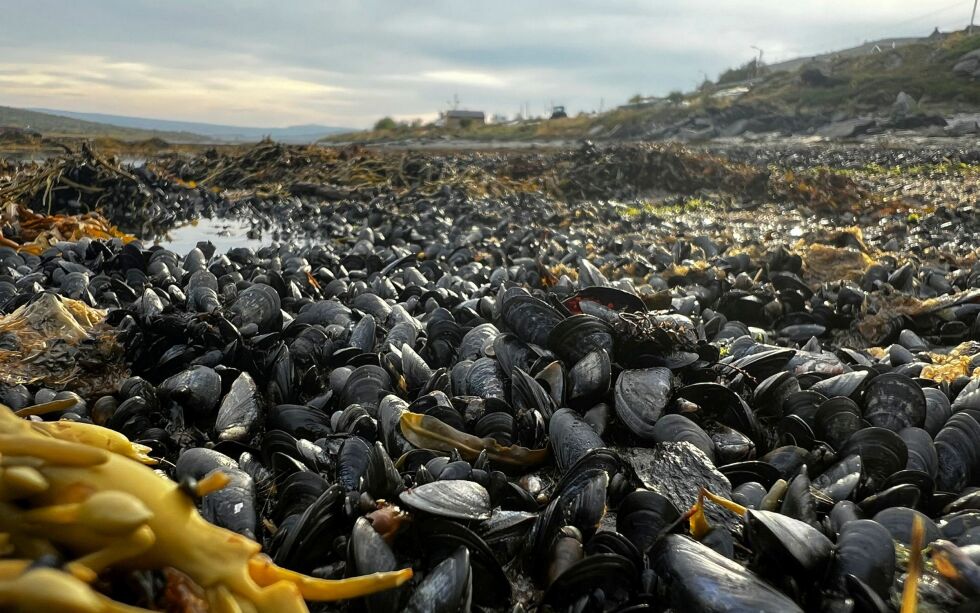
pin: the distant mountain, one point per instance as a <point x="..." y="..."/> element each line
<point x="59" y="125"/>
<point x="292" y="134"/>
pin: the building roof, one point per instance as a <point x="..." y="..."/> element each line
<point x="465" y="114"/>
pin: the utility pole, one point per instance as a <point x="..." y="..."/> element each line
<point x="972" y="16"/>
<point x="758" y="60"/>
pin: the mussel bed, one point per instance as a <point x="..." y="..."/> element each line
<point x="514" y="373"/>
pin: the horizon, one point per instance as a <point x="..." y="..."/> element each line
<point x="269" y="66"/>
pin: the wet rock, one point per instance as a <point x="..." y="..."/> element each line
<point x="678" y="471"/>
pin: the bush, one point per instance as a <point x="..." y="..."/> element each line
<point x="745" y="71"/>
<point x="675" y="96"/>
<point x="385" y="123"/>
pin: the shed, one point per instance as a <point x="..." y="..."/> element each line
<point x="459" y="119"/>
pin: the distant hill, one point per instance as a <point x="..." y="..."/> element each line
<point x="55" y="125"/>
<point x="292" y="134"/>
<point x="848" y="91"/>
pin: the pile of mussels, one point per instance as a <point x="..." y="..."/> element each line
<point x="484" y="405"/>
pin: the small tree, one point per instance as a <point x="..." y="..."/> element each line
<point x="636" y="99"/>
<point x="385" y="123"/>
<point x="675" y="96"/>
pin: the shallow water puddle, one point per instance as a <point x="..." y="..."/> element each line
<point x="223" y="233"/>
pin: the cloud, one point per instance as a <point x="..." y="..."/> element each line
<point x="464" y="77"/>
<point x="266" y="63"/>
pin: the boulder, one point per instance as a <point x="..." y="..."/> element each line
<point x="904" y="105"/>
<point x="848" y="128"/>
<point x="968" y="65"/>
<point x="962" y="127"/>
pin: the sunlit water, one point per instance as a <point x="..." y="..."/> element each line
<point x="223" y="234"/>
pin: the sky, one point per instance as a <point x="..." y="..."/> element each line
<point x="349" y="62"/>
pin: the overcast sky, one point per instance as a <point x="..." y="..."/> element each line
<point x="348" y="62"/>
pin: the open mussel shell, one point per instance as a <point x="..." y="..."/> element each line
<point x="454" y="499"/>
<point x="240" y="412"/>
<point x="894" y="401"/>
<point x="694" y="577"/>
<point x="609" y="298"/>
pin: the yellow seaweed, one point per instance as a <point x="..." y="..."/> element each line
<point x="91" y="495"/>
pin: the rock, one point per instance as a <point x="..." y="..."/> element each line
<point x="689" y="134"/>
<point x="904" y="105"/>
<point x="968" y="65"/>
<point x="916" y="122"/>
<point x="678" y="471"/>
<point x="962" y="127"/>
<point x="848" y="128"/>
<point x="735" y="128"/>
